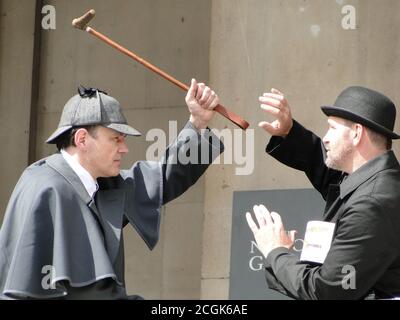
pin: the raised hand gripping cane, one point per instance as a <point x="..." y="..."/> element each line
<point x="81" y="23"/>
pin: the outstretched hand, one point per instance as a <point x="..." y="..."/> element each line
<point x="276" y="104"/>
<point x="201" y="101"/>
<point x="270" y="232"/>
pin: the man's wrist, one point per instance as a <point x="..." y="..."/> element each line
<point x="197" y="124"/>
<point x="288" y="131"/>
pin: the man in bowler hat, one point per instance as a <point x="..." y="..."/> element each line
<point x="62" y="232"/>
<point x="358" y="175"/>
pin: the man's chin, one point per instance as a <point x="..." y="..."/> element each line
<point x="114" y="174"/>
<point x="333" y="165"/>
<point x="330" y="164"/>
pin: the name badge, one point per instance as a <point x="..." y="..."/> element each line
<point x="317" y="241"/>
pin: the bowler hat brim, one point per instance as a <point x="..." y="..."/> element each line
<point x="332" y="111"/>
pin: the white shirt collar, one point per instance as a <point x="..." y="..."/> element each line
<point x="88" y="181"/>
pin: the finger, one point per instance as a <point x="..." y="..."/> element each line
<point x="265" y="214"/>
<point x="251" y="223"/>
<point x="259" y="216"/>
<point x="211" y="103"/>
<point x="292" y="235"/>
<point x="267" y="127"/>
<point x="277" y="103"/>
<point x="204" y="97"/>
<point x="200" y="89"/>
<point x="192" y="90"/>
<point x="277" y="220"/>
<point x="273" y="96"/>
<point x="271" y="109"/>
<point x="214" y="102"/>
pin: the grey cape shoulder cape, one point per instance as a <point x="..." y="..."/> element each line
<point x="54" y="232"/>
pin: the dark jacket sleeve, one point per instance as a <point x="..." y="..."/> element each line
<point x="183" y="163"/>
<point x="362" y="249"/>
<point x="150" y="184"/>
<point x="303" y="150"/>
<point x="187" y="159"/>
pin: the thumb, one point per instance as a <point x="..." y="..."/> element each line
<point x="192" y="90"/>
<point x="292" y="235"/>
<point x="267" y="126"/>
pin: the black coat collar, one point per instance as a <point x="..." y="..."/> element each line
<point x="371" y="168"/>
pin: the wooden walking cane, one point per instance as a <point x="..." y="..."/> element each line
<point x="82" y="24"/>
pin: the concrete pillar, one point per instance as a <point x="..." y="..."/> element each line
<point x="17" y="20"/>
<point x="301" y="48"/>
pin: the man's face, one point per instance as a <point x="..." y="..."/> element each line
<point x="105" y="149"/>
<point x="338" y="144"/>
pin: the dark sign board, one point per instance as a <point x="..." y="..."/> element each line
<point x="296" y="207"/>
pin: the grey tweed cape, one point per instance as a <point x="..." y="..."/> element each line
<point x="53" y="227"/>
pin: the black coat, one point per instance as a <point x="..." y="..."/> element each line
<point x="365" y="206"/>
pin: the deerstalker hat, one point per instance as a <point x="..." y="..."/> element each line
<point x="92" y="107"/>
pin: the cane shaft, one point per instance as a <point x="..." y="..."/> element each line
<point x="219" y="108"/>
<point x="136" y="57"/>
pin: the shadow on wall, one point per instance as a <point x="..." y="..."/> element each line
<point x="2" y="15"/>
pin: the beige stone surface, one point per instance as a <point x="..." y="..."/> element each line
<point x="165" y="33"/>
<point x="17" y="20"/>
<point x="214" y="289"/>
<point x="143" y="268"/>
<point x="182" y="244"/>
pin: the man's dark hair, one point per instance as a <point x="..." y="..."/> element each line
<point x="377" y="138"/>
<point x="380" y="140"/>
<point x="67" y="138"/>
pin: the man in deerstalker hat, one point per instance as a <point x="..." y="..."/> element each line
<point x="62" y="232"/>
<point x="358" y="175"/>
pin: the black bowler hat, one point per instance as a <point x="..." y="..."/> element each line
<point x="367" y="107"/>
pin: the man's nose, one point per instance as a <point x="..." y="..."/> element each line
<point x="325" y="139"/>
<point x="123" y="148"/>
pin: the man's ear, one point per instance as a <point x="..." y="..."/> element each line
<point x="80" y="138"/>
<point x="358" y="132"/>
